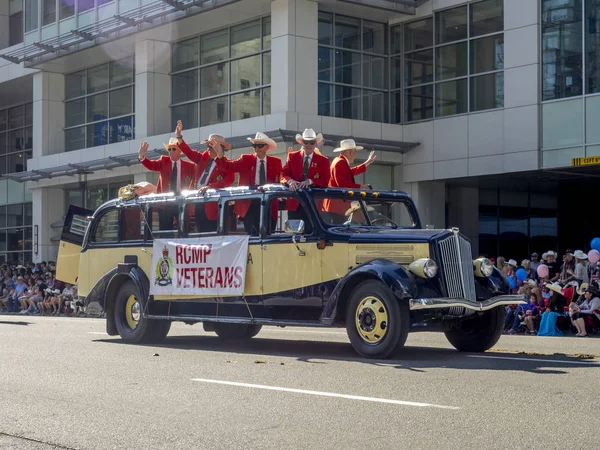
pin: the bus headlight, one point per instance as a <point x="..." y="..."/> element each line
<point x="483" y="267"/>
<point x="424" y="268"/>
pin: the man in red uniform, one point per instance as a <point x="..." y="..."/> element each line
<point x="206" y="175"/>
<point x="175" y="173"/>
<point x="175" y="176"/>
<point x="255" y="170"/>
<point x="304" y="168"/>
<point x="342" y="176"/>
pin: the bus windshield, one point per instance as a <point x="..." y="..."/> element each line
<point x="365" y="212"/>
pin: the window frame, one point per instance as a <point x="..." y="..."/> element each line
<point x="94" y="228"/>
<point x="366" y="59"/>
<point x="266" y="214"/>
<point x="86" y="97"/>
<point x="195" y="105"/>
<point x="405" y="90"/>
<point x="186" y="220"/>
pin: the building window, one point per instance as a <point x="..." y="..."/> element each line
<point x="592" y="45"/>
<point x="99" y="106"/>
<point x="16" y="233"/>
<point x="562" y="52"/>
<point x="448" y="64"/>
<point x="222" y="76"/>
<point x="353" y="61"/>
<point x="66" y="9"/>
<point x="15" y="26"/>
<point x="16" y="138"/>
<point x="31" y="15"/>
<point x="48" y="12"/>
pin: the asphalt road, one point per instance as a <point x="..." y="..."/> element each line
<point x="67" y="385"/>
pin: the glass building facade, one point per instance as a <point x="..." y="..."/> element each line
<point x="99" y="105"/>
<point x="223" y="76"/>
<point x="16" y="142"/>
<point x="450" y="63"/>
<point x="570" y="80"/>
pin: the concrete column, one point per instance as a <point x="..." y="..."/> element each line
<point x="152" y="88"/>
<point x="463" y="213"/>
<point x="430" y="199"/>
<point x="48" y="209"/>
<point x="4" y="24"/>
<point x="48" y="113"/>
<point x="294" y="54"/>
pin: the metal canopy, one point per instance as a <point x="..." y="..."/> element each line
<point x="398" y="6"/>
<point x="113" y="162"/>
<point x="129" y="22"/>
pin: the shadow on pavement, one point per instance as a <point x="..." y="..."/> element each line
<point x="4" y="322"/>
<point x="416" y="359"/>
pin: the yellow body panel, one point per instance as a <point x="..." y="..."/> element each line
<point x="271" y="268"/>
<point x="284" y="269"/>
<point x="96" y="262"/>
<point x="67" y="263"/>
<point x="402" y="254"/>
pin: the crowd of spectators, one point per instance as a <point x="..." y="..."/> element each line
<point x="34" y="289"/>
<point x="561" y="297"/>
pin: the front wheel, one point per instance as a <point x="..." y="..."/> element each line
<point x="478" y="333"/>
<point x="131" y="324"/>
<point x="377" y="323"/>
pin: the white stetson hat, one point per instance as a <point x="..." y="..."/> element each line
<point x="554" y="287"/>
<point x="512" y="262"/>
<point x="582" y="288"/>
<point x="355" y="206"/>
<point x="220" y="139"/>
<point x="579" y="254"/>
<point x="348" y="144"/>
<point x="173" y="142"/>
<point x="262" y="138"/>
<point x="309" y="135"/>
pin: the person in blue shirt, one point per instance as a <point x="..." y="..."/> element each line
<point x="13" y="300"/>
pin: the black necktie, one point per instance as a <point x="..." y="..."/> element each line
<point x="305" y="169"/>
<point x="262" y="175"/>
<point x="204" y="178"/>
<point x="174" y="178"/>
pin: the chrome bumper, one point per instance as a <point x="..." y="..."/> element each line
<point x="485" y="305"/>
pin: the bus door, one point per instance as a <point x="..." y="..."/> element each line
<point x="71" y="240"/>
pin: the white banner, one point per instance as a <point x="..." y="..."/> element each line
<point x="199" y="266"/>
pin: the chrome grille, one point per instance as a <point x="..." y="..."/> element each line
<point x="457" y="267"/>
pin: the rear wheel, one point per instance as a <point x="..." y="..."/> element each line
<point x="478" y="333"/>
<point x="232" y="331"/>
<point x="376" y="322"/>
<point x="131" y="324"/>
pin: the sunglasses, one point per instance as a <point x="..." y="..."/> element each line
<point x="259" y="145"/>
<point x="172" y="149"/>
<point x="309" y="142"/>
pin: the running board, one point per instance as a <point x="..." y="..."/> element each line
<point x="240" y="320"/>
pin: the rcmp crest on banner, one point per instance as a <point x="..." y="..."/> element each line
<point x="164" y="269"/>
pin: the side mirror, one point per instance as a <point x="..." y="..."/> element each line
<point x="294" y="226"/>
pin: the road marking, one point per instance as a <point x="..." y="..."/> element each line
<point x="558" y="361"/>
<point x="101" y="333"/>
<point x="325" y="394"/>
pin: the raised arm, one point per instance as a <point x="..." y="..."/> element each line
<point x="150" y="164"/>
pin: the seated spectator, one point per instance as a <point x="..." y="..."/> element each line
<point x="532" y="312"/>
<point x="555" y="309"/>
<point x="66" y="297"/>
<point x="588" y="307"/>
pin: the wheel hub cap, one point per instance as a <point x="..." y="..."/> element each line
<point x="133" y="312"/>
<point x="371" y="320"/>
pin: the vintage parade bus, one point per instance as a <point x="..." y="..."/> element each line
<point x="378" y="273"/>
